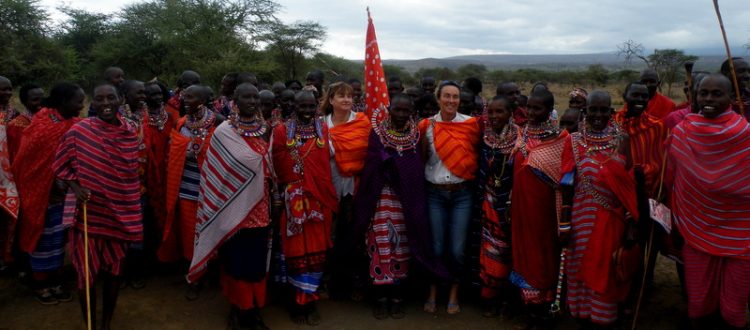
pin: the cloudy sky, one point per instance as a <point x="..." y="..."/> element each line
<point x="412" y="29"/>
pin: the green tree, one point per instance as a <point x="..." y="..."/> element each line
<point x="669" y="64"/>
<point x="291" y="44"/>
<point x="596" y="74"/>
<point x="471" y="70"/>
<point x="439" y="73"/>
<point x="391" y="70"/>
<point x="27" y="54"/>
<point x="337" y="68"/>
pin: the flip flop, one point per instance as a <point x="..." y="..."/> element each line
<point x="430" y="307"/>
<point x="453" y="309"/>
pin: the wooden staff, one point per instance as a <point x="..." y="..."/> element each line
<point x="729" y="58"/>
<point x="86" y="266"/>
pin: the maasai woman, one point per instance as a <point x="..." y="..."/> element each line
<point x="604" y="194"/>
<point x="41" y="233"/>
<point x="540" y="205"/>
<point x="348" y="132"/>
<point x="302" y="163"/>
<point x="98" y="160"/>
<point x="187" y="151"/>
<point x="495" y="181"/>
<point x="233" y="216"/>
<point x="391" y="206"/>
<point x="449" y="141"/>
<point x="31" y="97"/>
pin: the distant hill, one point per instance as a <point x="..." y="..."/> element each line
<point x="709" y="60"/>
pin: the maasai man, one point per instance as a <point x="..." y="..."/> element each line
<point x="659" y="105"/>
<point x="428" y="85"/>
<point x="415" y="93"/>
<point x="604" y="203"/>
<point x="295" y="85"/>
<point x="98" y="160"/>
<point x="711" y="205"/>
<point x="449" y="142"/>
<point x="302" y="162"/>
<point x="511" y="92"/>
<point x="31" y="97"/>
<point x="359" y="102"/>
<point x="395" y="86"/>
<point x="427" y="106"/>
<point x="187" y="151"/>
<point x="186" y="79"/>
<point x="675" y="117"/>
<point x="391" y="209"/>
<point x="233" y="216"/>
<point x="268" y="109"/>
<point x="543" y="170"/>
<point x="7" y="111"/>
<point x="647" y="134"/>
<point x="287" y="104"/>
<point x="316" y="78"/>
<point x="495" y="182"/>
<point x="222" y="104"/>
<point x="466" y="103"/>
<point x="114" y="76"/>
<point x="742" y="70"/>
<point x="41" y="233"/>
<point x="348" y="133"/>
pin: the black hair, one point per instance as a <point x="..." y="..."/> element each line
<point x="426" y="99"/>
<point x="546" y="96"/>
<point x="60" y="94"/>
<point x="474" y="85"/>
<point x="725" y="66"/>
<point x="502" y="86"/>
<point x="401" y="96"/>
<point x="293" y="81"/>
<point x="354" y="81"/>
<point x="244" y="77"/>
<point x="299" y="95"/>
<point x="23" y="93"/>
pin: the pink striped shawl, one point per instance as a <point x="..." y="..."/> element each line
<point x="232" y="183"/>
<point x="711" y="189"/>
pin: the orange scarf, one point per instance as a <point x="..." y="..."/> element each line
<point x="350" y="144"/>
<point x="456" y="145"/>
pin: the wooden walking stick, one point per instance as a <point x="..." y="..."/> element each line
<point x="729" y="58"/>
<point x="86" y="265"/>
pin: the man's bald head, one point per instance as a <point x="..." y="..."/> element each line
<point x="267" y="95"/>
<point x="4" y="80"/>
<point x="599" y="96"/>
<point x="719" y="79"/>
<point x="187" y="78"/>
<point x="202" y="92"/>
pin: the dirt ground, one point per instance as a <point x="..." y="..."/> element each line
<point x="161" y="305"/>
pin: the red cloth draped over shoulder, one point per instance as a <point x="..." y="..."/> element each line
<point x="647" y="149"/>
<point x="157" y="143"/>
<point x="32" y="170"/>
<point x="350" y="143"/>
<point x="660" y="106"/>
<point x="456" y="145"/>
<point x="14" y="131"/>
<point x="176" y="155"/>
<point x="710" y="197"/>
<point x="597" y="265"/>
<point x="316" y="162"/>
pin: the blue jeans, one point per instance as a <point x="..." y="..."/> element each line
<point x="450" y="215"/>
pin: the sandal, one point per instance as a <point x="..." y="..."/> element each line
<point x="430" y="307"/>
<point x="45" y="297"/>
<point x="453" y="309"/>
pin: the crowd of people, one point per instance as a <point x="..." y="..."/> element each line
<point x="300" y="187"/>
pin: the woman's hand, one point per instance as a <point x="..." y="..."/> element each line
<point x="82" y="194"/>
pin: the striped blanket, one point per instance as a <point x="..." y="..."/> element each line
<point x="232" y="183"/>
<point x="711" y="192"/>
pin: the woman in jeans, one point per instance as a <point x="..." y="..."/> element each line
<point x="449" y="143"/>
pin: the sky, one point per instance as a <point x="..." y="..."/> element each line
<point x="414" y="29"/>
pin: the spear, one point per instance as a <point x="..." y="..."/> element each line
<point x="729" y="57"/>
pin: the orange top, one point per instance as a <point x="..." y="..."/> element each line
<point x="350" y="144"/>
<point x="456" y="145"/>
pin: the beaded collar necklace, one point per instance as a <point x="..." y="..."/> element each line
<point x="503" y="141"/>
<point x="199" y="129"/>
<point x="158" y="119"/>
<point x="607" y="139"/>
<point x="537" y="132"/>
<point x="400" y="141"/>
<point x="254" y="127"/>
<point x="8" y="113"/>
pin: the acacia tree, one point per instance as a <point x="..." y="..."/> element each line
<point x="669" y="64"/>
<point x="291" y="44"/>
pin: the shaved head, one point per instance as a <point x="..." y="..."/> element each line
<point x="723" y="82"/>
<point x="599" y="96"/>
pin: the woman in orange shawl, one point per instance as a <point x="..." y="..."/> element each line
<point x="449" y="142"/>
<point x="348" y="134"/>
